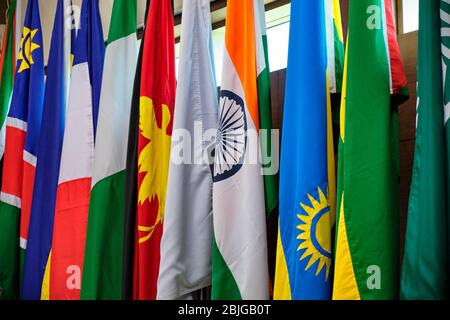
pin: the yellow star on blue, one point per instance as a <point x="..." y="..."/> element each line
<point x="315" y="233"/>
<point x="27" y="46"/>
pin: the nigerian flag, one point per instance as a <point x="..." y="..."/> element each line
<point x="367" y="235"/>
<point x="102" y="272"/>
<point x="424" y="261"/>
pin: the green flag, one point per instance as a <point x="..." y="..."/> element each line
<point x="7" y="65"/>
<point x="367" y="235"/>
<point x="424" y="261"/>
<point x="103" y="262"/>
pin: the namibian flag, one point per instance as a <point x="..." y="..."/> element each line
<point x="49" y="153"/>
<point x="307" y="175"/>
<point x="22" y="135"/>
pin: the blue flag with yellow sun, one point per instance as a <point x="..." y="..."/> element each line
<point x="307" y="182"/>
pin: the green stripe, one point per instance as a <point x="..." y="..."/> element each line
<point x="265" y="119"/>
<point x="369" y="179"/>
<point x="9" y="252"/>
<point x="103" y="262"/>
<point x="224" y="286"/>
<point x="338" y="59"/>
<point x="123" y="20"/>
<point x="7" y="76"/>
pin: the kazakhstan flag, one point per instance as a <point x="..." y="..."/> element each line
<point x="307" y="177"/>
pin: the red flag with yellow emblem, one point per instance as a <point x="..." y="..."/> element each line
<point x="157" y="100"/>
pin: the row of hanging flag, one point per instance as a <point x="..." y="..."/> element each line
<point x="93" y="205"/>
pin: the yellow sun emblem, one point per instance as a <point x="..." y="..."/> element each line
<point x="27" y="46"/>
<point x="153" y="161"/>
<point x="315" y="233"/>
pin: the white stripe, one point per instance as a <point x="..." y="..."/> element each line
<point x="29" y="158"/>
<point x="331" y="62"/>
<point x="77" y="156"/>
<point x="23" y="243"/>
<point x="16" y="123"/>
<point x="3" y="130"/>
<point x="445" y="32"/>
<point x="445" y="51"/>
<point x="386" y="40"/>
<point x="446" y="112"/>
<point x="11" y="200"/>
<point x="446" y="1"/>
<point x="445" y="16"/>
<point x="114" y="111"/>
<point x="68" y="16"/>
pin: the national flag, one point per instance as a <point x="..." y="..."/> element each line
<point x="307" y="173"/>
<point x="154" y="138"/>
<point x="7" y="71"/>
<point x="131" y="174"/>
<point x="367" y="255"/>
<point x="187" y="233"/>
<point x="131" y="189"/>
<point x="335" y="45"/>
<point x="239" y="258"/>
<point x="77" y="160"/>
<point x="424" y="269"/>
<point x="103" y="261"/>
<point x="36" y="272"/>
<point x="265" y="109"/>
<point x="22" y="135"/>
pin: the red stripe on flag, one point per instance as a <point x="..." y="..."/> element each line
<point x="13" y="161"/>
<point x="69" y="237"/>
<point x="397" y="72"/>
<point x="29" y="172"/>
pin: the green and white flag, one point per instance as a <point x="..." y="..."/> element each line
<point x="103" y="265"/>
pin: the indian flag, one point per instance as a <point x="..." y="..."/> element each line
<point x="239" y="261"/>
<point x="102" y="272"/>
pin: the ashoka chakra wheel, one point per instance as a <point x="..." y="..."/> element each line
<point x="232" y="140"/>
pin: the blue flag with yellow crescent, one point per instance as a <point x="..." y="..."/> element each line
<point x="35" y="280"/>
<point x="307" y="190"/>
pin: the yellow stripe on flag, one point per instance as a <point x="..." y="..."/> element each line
<point x="282" y="286"/>
<point x="45" y="291"/>
<point x="344" y="96"/>
<point x="337" y="19"/>
<point x="345" y="287"/>
<point x="330" y="158"/>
